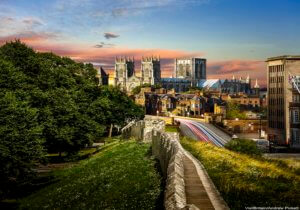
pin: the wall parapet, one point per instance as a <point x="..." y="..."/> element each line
<point x="167" y="149"/>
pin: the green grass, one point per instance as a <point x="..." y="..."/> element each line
<point x="245" y="180"/>
<point x="121" y="176"/>
<point x="173" y="129"/>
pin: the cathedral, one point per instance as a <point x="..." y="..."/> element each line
<point x="126" y="78"/>
<point x="187" y="73"/>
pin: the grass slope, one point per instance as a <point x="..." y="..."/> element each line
<point x="122" y="176"/>
<point x="246" y="181"/>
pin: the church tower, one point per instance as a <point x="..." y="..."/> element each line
<point x="151" y="73"/>
<point x="124" y="69"/>
<point x="256" y="88"/>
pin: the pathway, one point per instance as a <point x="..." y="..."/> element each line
<point x="194" y="189"/>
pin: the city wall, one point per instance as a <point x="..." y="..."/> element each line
<point x="168" y="150"/>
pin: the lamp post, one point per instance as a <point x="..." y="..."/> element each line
<point x="260" y="126"/>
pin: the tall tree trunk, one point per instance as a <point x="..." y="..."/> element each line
<point x="110" y="130"/>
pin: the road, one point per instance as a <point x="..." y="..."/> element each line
<point x="203" y="132"/>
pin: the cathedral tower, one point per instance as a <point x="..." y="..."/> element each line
<point x="151" y="73"/>
<point x="193" y="69"/>
<point x="124" y="69"/>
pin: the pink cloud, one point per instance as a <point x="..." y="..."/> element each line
<point x="238" y="68"/>
<point x="29" y="37"/>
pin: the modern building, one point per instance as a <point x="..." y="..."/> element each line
<point x="212" y="85"/>
<point x="294" y="109"/>
<point x="192" y="69"/>
<point x="280" y="97"/>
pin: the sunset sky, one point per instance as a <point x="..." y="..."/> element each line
<point x="235" y="36"/>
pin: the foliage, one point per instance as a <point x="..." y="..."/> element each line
<point x="137" y="89"/>
<point x="21" y="141"/>
<point x="234" y="111"/>
<point x="245" y="146"/>
<point x="122" y="176"/>
<point x="52" y="103"/>
<point x="173" y="129"/>
<point x="116" y="107"/>
<point x="195" y="89"/>
<point x="244" y="180"/>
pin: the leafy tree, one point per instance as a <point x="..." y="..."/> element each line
<point x="122" y="108"/>
<point x="137" y="89"/>
<point x="21" y="140"/>
<point x="51" y="103"/>
<point x="233" y="111"/>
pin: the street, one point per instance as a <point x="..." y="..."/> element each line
<point x="203" y="132"/>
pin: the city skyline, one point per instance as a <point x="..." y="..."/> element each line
<point x="234" y="38"/>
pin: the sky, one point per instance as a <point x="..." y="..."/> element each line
<point x="235" y="36"/>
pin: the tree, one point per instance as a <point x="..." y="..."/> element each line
<point x="21" y="140"/>
<point x="234" y="111"/>
<point x="117" y="107"/>
<point x="51" y="103"/>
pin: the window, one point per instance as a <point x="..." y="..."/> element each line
<point x="296" y="136"/>
<point x="296" y="116"/>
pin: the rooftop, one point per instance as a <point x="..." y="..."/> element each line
<point x="284" y="57"/>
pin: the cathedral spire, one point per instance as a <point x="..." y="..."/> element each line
<point x="248" y="79"/>
<point x="256" y="84"/>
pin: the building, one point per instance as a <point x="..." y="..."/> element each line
<point x="294" y="109"/>
<point x="178" y="84"/>
<point x="256" y="89"/>
<point x="280" y="97"/>
<point x="124" y="69"/>
<point x="150" y="71"/>
<point x="235" y="86"/>
<point x="192" y="69"/>
<point x="212" y="85"/>
<point x="126" y="78"/>
<point x="247" y="101"/>
<point x="102" y="77"/>
<point x="188" y="72"/>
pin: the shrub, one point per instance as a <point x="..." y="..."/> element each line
<point x="245" y="146"/>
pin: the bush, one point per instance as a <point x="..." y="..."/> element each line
<point x="244" y="146"/>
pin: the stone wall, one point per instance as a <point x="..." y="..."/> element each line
<point x="168" y="151"/>
<point x="142" y="130"/>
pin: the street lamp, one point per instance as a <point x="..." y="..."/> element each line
<point x="259" y="125"/>
<point x="236" y="119"/>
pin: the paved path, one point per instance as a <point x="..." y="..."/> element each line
<point x="204" y="132"/>
<point x="194" y="189"/>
